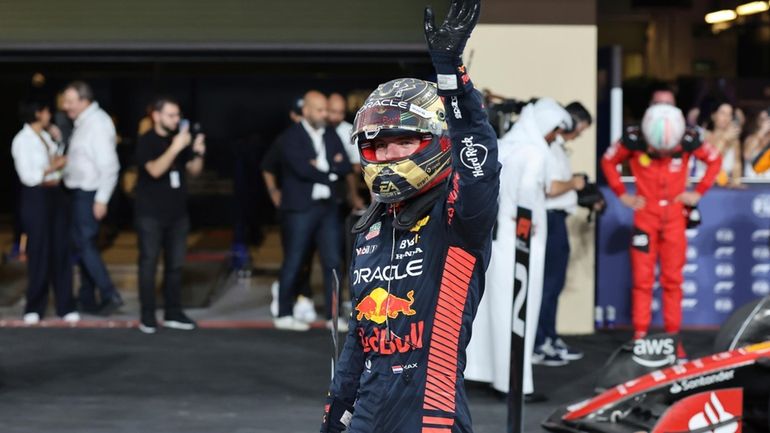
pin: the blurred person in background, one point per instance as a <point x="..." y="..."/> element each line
<point x="336" y="110"/>
<point x="723" y="131"/>
<point x="304" y="308"/>
<point x="312" y="161"/>
<point x="91" y="175"/>
<point x="165" y="156"/>
<point x="658" y="152"/>
<point x="662" y="94"/>
<point x="755" y="143"/>
<point x="44" y="213"/>
<point x="525" y="158"/>
<point x="356" y="190"/>
<point x="561" y="201"/>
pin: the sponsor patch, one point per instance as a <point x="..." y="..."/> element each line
<point x="447" y="81"/>
<point x="409" y="253"/>
<point x="366" y="250"/>
<point x="413" y="268"/>
<point x="698" y="382"/>
<point x="374" y="231"/>
<point x="379" y="305"/>
<point x="378" y="341"/>
<point x="640" y="241"/>
<point x="473" y="156"/>
<point x="456" y="108"/>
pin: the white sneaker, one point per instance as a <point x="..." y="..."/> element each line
<point x="274" y="303"/>
<point x="304" y="310"/>
<point x="342" y="325"/>
<point x="71" y="317"/>
<point x="289" y="323"/>
<point x="31" y="319"/>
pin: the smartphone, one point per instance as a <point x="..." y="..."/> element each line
<point x="184" y="124"/>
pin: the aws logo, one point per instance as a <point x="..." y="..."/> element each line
<point x="380" y="305"/>
<point x="654" y="352"/>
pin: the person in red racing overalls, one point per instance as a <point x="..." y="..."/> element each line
<point x="658" y="154"/>
<point x="429" y="157"/>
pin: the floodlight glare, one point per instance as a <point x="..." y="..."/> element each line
<point x="721" y="16"/>
<point x="752" y="8"/>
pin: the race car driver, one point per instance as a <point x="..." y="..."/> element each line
<point x="658" y="154"/>
<point x="429" y="157"/>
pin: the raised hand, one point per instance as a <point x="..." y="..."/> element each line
<point x="447" y="42"/>
<point x="450" y="38"/>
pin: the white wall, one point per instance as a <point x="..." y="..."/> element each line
<point x="524" y="61"/>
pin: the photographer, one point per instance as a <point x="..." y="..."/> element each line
<point x="562" y="201"/>
<point x="164" y="156"/>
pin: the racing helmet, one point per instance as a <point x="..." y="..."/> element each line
<point x="663" y="127"/>
<point x="403" y="107"/>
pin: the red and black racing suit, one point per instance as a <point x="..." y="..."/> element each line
<point x="411" y="380"/>
<point x="659" y="227"/>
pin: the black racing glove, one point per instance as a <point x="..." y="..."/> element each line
<point x="446" y="45"/>
<point x="337" y="415"/>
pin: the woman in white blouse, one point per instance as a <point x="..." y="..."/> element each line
<point x="44" y="214"/>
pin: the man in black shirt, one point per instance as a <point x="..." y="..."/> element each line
<point x="164" y="156"/>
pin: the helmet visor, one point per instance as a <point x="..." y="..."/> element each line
<point x="392" y="114"/>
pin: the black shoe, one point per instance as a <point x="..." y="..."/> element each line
<point x="178" y="320"/>
<point x="148" y="323"/>
<point x="110" y="305"/>
<point x="535" y="397"/>
<point x="87" y="304"/>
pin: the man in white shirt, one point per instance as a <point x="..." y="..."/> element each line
<point x="312" y="160"/>
<point x="336" y="109"/>
<point x="523" y="182"/>
<point x="562" y="201"/>
<point x="44" y="215"/>
<point x="91" y="174"/>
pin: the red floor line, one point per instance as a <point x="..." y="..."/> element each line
<point x="123" y="324"/>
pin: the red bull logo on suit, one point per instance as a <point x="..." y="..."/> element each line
<point x="380" y="305"/>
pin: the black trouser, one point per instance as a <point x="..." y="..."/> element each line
<point x="45" y="218"/>
<point x="556" y="261"/>
<point x="171" y="236"/>
<point x="320" y="223"/>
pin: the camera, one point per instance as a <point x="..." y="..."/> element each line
<point x="501" y="111"/>
<point x="591" y="198"/>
